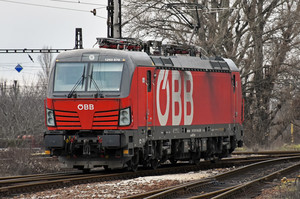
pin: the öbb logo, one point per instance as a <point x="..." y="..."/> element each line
<point x="85" y="107"/>
<point x="163" y="89"/>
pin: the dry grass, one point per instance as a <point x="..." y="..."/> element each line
<point x="288" y="188"/>
<point x="19" y="161"/>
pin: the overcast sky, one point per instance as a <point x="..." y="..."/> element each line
<point x="31" y="26"/>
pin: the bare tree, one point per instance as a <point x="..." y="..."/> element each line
<point x="45" y="60"/>
<point x="260" y="36"/>
<point x="21" y="111"/>
<point x="274" y="36"/>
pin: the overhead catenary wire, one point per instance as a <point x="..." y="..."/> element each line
<point x="24" y="67"/>
<point x="80" y="2"/>
<point x="12" y="63"/>
<point x="47" y="6"/>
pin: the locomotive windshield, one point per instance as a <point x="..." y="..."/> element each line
<point x="68" y="74"/>
<point x="102" y="76"/>
<point x="107" y="76"/>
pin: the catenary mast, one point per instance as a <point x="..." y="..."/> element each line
<point x="114" y="19"/>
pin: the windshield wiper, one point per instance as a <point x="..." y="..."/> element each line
<point x="81" y="80"/>
<point x="95" y="84"/>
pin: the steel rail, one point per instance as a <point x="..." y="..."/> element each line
<point x="44" y="181"/>
<point x="264" y="152"/>
<point x="169" y="190"/>
<point x="36" y="175"/>
<point x="238" y="189"/>
<point x="248" y="167"/>
<point x="259" y="157"/>
<point x="215" y="193"/>
<point x="200" y="184"/>
<point x="42" y="177"/>
<point x="52" y="183"/>
<point x="15" y="184"/>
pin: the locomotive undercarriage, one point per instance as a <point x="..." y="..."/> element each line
<point x="190" y="143"/>
<point x="88" y="149"/>
<point x="130" y="148"/>
<point x="156" y="152"/>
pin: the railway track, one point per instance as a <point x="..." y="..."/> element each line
<point x="229" y="184"/>
<point x="269" y="153"/>
<point x="30" y="183"/>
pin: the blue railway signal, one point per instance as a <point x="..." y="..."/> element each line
<point x="19" y="68"/>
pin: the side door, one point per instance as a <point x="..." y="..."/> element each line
<point x="150" y="100"/>
<point x="145" y="97"/>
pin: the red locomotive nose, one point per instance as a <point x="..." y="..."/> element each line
<point x="85" y="114"/>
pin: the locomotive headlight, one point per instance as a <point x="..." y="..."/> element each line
<point x="50" y="118"/>
<point x="125" y="118"/>
<point x="124" y="113"/>
<point x="50" y="114"/>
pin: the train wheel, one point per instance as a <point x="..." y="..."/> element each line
<point x="195" y="158"/>
<point x="145" y="164"/>
<point x="134" y="167"/>
<point x="214" y="159"/>
<point x="106" y="168"/>
<point x="133" y="164"/>
<point x="196" y="161"/>
<point x="154" y="163"/>
<point x="173" y="161"/>
<point x="86" y="170"/>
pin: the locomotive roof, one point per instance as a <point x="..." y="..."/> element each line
<point x="138" y="58"/>
<point x="194" y="63"/>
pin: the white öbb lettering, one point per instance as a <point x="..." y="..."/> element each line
<point x="85" y="107"/>
<point x="176" y="97"/>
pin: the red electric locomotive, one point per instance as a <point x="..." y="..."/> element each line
<point x="116" y="108"/>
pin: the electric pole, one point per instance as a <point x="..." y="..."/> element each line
<point x="114" y="19"/>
